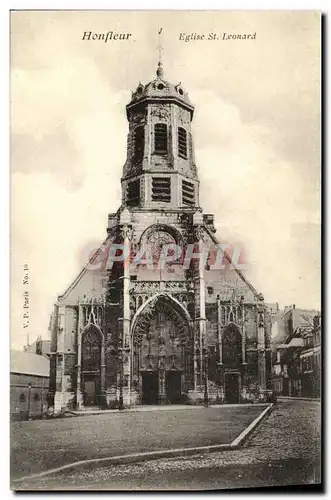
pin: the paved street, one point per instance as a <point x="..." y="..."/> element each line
<point x="45" y="444"/>
<point x="284" y="449"/>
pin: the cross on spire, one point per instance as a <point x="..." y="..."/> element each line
<point x="159" y="71"/>
<point x="160" y="47"/>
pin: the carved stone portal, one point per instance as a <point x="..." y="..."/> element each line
<point x="163" y="347"/>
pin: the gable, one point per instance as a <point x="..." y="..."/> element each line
<point x="91" y="281"/>
<point x="229" y="281"/>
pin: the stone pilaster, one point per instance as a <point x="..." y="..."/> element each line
<point x="219" y="333"/>
<point x="200" y="289"/>
<point x="79" y="395"/>
<point x="102" y="401"/>
<point x="126" y="236"/>
<point x="162" y="391"/>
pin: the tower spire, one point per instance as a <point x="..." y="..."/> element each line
<point x="159" y="71"/>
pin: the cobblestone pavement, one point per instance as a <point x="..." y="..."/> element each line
<point x="284" y="449"/>
<point x="41" y="445"/>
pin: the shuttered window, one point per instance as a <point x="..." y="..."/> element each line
<point x="182" y="142"/>
<point x="139" y="140"/>
<point x="161" y="189"/>
<point x="133" y="193"/>
<point x="188" y="193"/>
<point x="160" y="138"/>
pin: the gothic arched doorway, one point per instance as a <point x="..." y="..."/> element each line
<point x="91" y="363"/>
<point x="162" y="363"/>
<point x="232" y="361"/>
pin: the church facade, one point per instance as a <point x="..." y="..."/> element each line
<point x="161" y="314"/>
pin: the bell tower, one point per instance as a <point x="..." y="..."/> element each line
<point x="160" y="171"/>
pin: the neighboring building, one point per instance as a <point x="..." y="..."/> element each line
<point x="296" y="352"/>
<point x="39" y="346"/>
<point x="29" y="384"/>
<point x="137" y="333"/>
<point x="310" y="361"/>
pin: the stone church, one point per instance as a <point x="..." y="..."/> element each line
<point x="168" y="327"/>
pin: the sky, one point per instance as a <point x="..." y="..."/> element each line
<point x="256" y="131"/>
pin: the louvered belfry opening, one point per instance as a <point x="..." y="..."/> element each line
<point x="161" y="190"/>
<point x="160" y="138"/>
<point x="133" y="193"/>
<point x="139" y="142"/>
<point x="182" y="143"/>
<point x="188" y="193"/>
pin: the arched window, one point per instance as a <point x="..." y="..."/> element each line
<point x="231" y="347"/>
<point x="160" y="138"/>
<point x="139" y="143"/>
<point x="182" y="143"/>
<point x="36" y="397"/>
<point x="22" y="398"/>
<point x="91" y="350"/>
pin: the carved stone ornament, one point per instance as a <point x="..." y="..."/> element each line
<point x="126" y="232"/>
<point x="198" y="232"/>
<point x="162" y="112"/>
<point x="138" y="118"/>
<point x="183" y="116"/>
<point x="260" y="319"/>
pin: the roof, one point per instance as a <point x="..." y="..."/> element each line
<point x="162" y="89"/>
<point x="295" y="342"/>
<point x="29" y="363"/>
<point x="45" y="346"/>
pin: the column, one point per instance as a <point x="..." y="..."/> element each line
<point x="243" y="337"/>
<point x="220" y="349"/>
<point x="52" y="378"/>
<point x="243" y="355"/>
<point x="162" y="392"/>
<point x="126" y="234"/>
<point x="198" y="232"/>
<point x="103" y="402"/>
<point x="79" y="396"/>
<point x="195" y="366"/>
<point x="219" y="332"/>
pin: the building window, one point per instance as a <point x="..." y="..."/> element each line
<point x="182" y="142"/>
<point x="160" y="138"/>
<point x="91" y="350"/>
<point x="22" y="398"/>
<point x="133" y="193"/>
<point x="210" y="290"/>
<point x="161" y="189"/>
<point x="188" y="193"/>
<point x="139" y="142"/>
<point x="36" y="397"/>
<point x="231" y="347"/>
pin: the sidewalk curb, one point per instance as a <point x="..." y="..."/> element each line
<point x="138" y="409"/>
<point x="294" y="398"/>
<point x="153" y="455"/>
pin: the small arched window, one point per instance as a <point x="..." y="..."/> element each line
<point x="182" y="143"/>
<point x="91" y="349"/>
<point x="22" y="398"/>
<point x="36" y="397"/>
<point x="139" y="143"/>
<point x="160" y="138"/>
<point x="231" y="347"/>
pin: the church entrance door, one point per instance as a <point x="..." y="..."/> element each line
<point x="173" y="387"/>
<point x="90" y="391"/>
<point x="150" y="388"/>
<point x="232" y="388"/>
